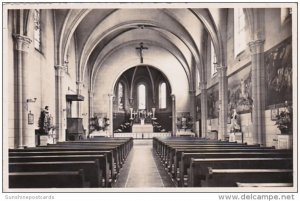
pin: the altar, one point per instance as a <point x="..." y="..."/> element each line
<point x="142" y="128"/>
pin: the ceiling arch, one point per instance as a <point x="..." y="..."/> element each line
<point x="97" y="66"/>
<point x="93" y="27"/>
<point x="152" y="39"/>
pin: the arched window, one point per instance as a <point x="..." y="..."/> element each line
<point x="142" y="96"/>
<point x="239" y="31"/>
<point x="213" y="60"/>
<point x="121" y="96"/>
<point x="37" y="29"/>
<point x="162" y="96"/>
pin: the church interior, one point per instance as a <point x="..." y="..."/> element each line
<point x="161" y="95"/>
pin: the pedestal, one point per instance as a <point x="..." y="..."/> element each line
<point x="41" y="140"/>
<point x="236" y="137"/>
<point x="212" y="135"/>
<point x="285" y="141"/>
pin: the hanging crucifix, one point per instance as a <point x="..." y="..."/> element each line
<point x="141" y="48"/>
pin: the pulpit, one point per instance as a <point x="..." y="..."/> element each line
<point x="285" y="141"/>
<point x="75" y="129"/>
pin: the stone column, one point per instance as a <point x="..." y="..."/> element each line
<point x="258" y="91"/>
<point x="91" y="105"/>
<point x="193" y="108"/>
<point x="223" y="101"/>
<point x="110" y="114"/>
<point x="79" y="90"/>
<point x="174" y="119"/>
<point x="203" y="99"/>
<point x="21" y="63"/>
<point x="59" y="97"/>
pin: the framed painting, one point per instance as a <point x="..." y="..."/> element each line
<point x="30" y="118"/>
<point x="274" y="113"/>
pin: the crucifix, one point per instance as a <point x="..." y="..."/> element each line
<point x="141" y="48"/>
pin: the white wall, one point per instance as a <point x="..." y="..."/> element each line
<point x="39" y="77"/>
<point x="124" y="59"/>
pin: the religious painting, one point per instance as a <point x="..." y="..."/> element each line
<point x="213" y="102"/>
<point x="239" y="91"/>
<point x="274" y="113"/>
<point x="30" y="118"/>
<point x="278" y="65"/>
<point x="184" y="120"/>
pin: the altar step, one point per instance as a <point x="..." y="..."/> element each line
<point x="143" y="135"/>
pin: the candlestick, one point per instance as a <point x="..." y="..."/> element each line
<point x="131" y="110"/>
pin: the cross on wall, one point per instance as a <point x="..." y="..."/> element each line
<point x="141" y="48"/>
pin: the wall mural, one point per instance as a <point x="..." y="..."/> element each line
<point x="278" y="64"/>
<point x="239" y="92"/>
<point x="213" y="102"/>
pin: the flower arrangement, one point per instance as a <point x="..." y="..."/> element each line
<point x="284" y="121"/>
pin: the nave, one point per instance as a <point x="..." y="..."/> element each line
<point x="160" y="162"/>
<point x="143" y="169"/>
<point x="82" y="80"/>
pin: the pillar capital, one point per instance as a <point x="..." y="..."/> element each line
<point x="256" y="46"/>
<point x="21" y="42"/>
<point x="79" y="82"/>
<point x="221" y="68"/>
<point x="173" y="97"/>
<point x="60" y="67"/>
<point x="203" y="85"/>
<point x="192" y="92"/>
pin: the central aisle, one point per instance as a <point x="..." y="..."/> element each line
<point x="143" y="170"/>
<point x="140" y="169"/>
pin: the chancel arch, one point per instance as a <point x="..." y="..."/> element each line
<point x="142" y="106"/>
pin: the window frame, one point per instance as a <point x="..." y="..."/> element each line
<point x="37" y="32"/>
<point x="213" y="60"/>
<point x="118" y="96"/>
<point x="160" y="97"/>
<point x="138" y="96"/>
<point x="240" y="43"/>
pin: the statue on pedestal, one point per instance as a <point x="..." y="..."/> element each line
<point x="45" y="121"/>
<point x="235" y="122"/>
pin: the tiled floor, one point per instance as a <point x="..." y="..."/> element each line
<point x="141" y="169"/>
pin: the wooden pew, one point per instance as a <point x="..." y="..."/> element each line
<point x="122" y="146"/>
<point x="119" y="158"/>
<point x="198" y="167"/>
<point x="114" y="158"/>
<point x="167" y="153"/>
<point x="186" y="157"/>
<point x="175" y="155"/>
<point x="61" y="179"/>
<point x="102" y="162"/>
<point x="229" y="177"/>
<point x="56" y="152"/>
<point x="90" y="169"/>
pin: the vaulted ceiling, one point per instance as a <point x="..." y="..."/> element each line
<point x="101" y="33"/>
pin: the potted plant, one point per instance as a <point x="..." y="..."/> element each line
<point x="284" y="122"/>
